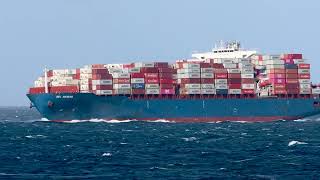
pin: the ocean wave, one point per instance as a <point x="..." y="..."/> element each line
<point x="292" y="143"/>
<point x="162" y="121"/>
<point x="99" y="120"/>
<point x="35" y="136"/>
<point x="189" y="139"/>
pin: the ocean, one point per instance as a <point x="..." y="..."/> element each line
<point x="33" y="148"/>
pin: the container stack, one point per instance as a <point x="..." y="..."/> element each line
<point x="151" y="78"/>
<point x="165" y="78"/>
<point x="189" y="77"/>
<point x="137" y="82"/>
<point x="101" y="81"/>
<point x="234" y="81"/>
<point x="276" y="74"/>
<point x="207" y="79"/>
<point x="85" y="79"/>
<point x="221" y="81"/>
<point x="247" y="77"/>
<point x="301" y="73"/>
<point x="121" y="83"/>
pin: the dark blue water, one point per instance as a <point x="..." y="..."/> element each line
<point x="35" y="149"/>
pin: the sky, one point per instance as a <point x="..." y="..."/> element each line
<point x="71" y="33"/>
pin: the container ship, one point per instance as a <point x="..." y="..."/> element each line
<point x="226" y="84"/>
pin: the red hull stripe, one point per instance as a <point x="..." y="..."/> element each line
<point x="212" y="119"/>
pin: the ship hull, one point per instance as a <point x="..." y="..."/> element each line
<point x="71" y="106"/>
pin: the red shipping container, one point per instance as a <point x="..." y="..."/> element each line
<point x="234" y="75"/>
<point x="121" y="81"/>
<point x="190" y="81"/>
<point x="291" y="76"/>
<point x="276" y="75"/>
<point x="220" y="71"/>
<point x="247" y="91"/>
<point x="205" y="65"/>
<point x="101" y="76"/>
<point x="166" y="81"/>
<point x="292" y="86"/>
<point x="152" y="81"/>
<point x="280" y="91"/>
<point x="304" y="66"/>
<point x="292" y="71"/>
<point x="138" y="91"/>
<point x="289" y="61"/>
<point x="137" y="75"/>
<point x="235" y="86"/>
<point x="234" y="81"/>
<point x="78" y="71"/>
<point x="50" y="73"/>
<point x="36" y="90"/>
<point x="292" y="56"/>
<point x="166" y="70"/>
<point x="207" y="80"/>
<point x="151" y="75"/>
<point x="64" y="89"/>
<point x="293" y="91"/>
<point x="276" y="71"/>
<point x="304" y="76"/>
<point x="97" y="66"/>
<point x="292" y="81"/>
<point x="149" y="70"/>
<point x="165" y="75"/>
<point x="279" y="86"/>
<point x="128" y="66"/>
<point x="166" y="86"/>
<point x="161" y="64"/>
<point x="217" y="66"/>
<point x="246" y="81"/>
<point x="277" y="81"/>
<point x="100" y="71"/>
<point x="221" y="75"/>
<point x="76" y="76"/>
<point x="104" y="87"/>
<point x="167" y="91"/>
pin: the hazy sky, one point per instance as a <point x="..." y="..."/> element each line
<point x="71" y="33"/>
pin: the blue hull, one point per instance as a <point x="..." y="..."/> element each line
<point x="68" y="106"/>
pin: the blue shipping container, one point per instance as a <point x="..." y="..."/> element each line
<point x="137" y="86"/>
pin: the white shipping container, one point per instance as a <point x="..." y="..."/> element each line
<point x="245" y="66"/>
<point x="191" y="66"/>
<point x="190" y="91"/>
<point x="122" y="91"/>
<point x="275" y="66"/>
<point x="247" y="75"/>
<point x="221" y="81"/>
<point x="144" y="64"/>
<point x="152" y="86"/>
<point x="268" y="57"/>
<point x="102" y="82"/>
<point x="316" y="91"/>
<point x="84" y="81"/>
<point x="207" y="75"/>
<point x="274" y="62"/>
<point x="189" y="75"/>
<point x="299" y="61"/>
<point x="85" y="70"/>
<point x="206" y="70"/>
<point x="103" y="92"/>
<point x="303" y="71"/>
<point x="134" y="70"/>
<point x="192" y="86"/>
<point x="207" y="86"/>
<point x="114" y="66"/>
<point x="84" y="87"/>
<point x="234" y="91"/>
<point x="57" y="72"/>
<point x="304" y="81"/>
<point x="247" y="86"/>
<point x="230" y="66"/>
<point x="226" y="61"/>
<point x="152" y="91"/>
<point x="137" y="80"/>
<point x="305" y="91"/>
<point x="244" y="61"/>
<point x="208" y="91"/>
<point x="231" y="71"/>
<point x="185" y="71"/>
<point x="114" y="71"/>
<point x="121" y="75"/>
<point x="305" y="86"/>
<point x="247" y="71"/>
<point x="85" y="76"/>
<point x="221" y="86"/>
<point x="121" y="86"/>
<point x="174" y="76"/>
<point x="39" y="83"/>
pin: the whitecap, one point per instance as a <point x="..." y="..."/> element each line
<point x="162" y="121"/>
<point x="123" y="143"/>
<point x="300" y="120"/>
<point x="190" y="139"/>
<point x="106" y="154"/>
<point x="35" y="136"/>
<point x="291" y="143"/>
